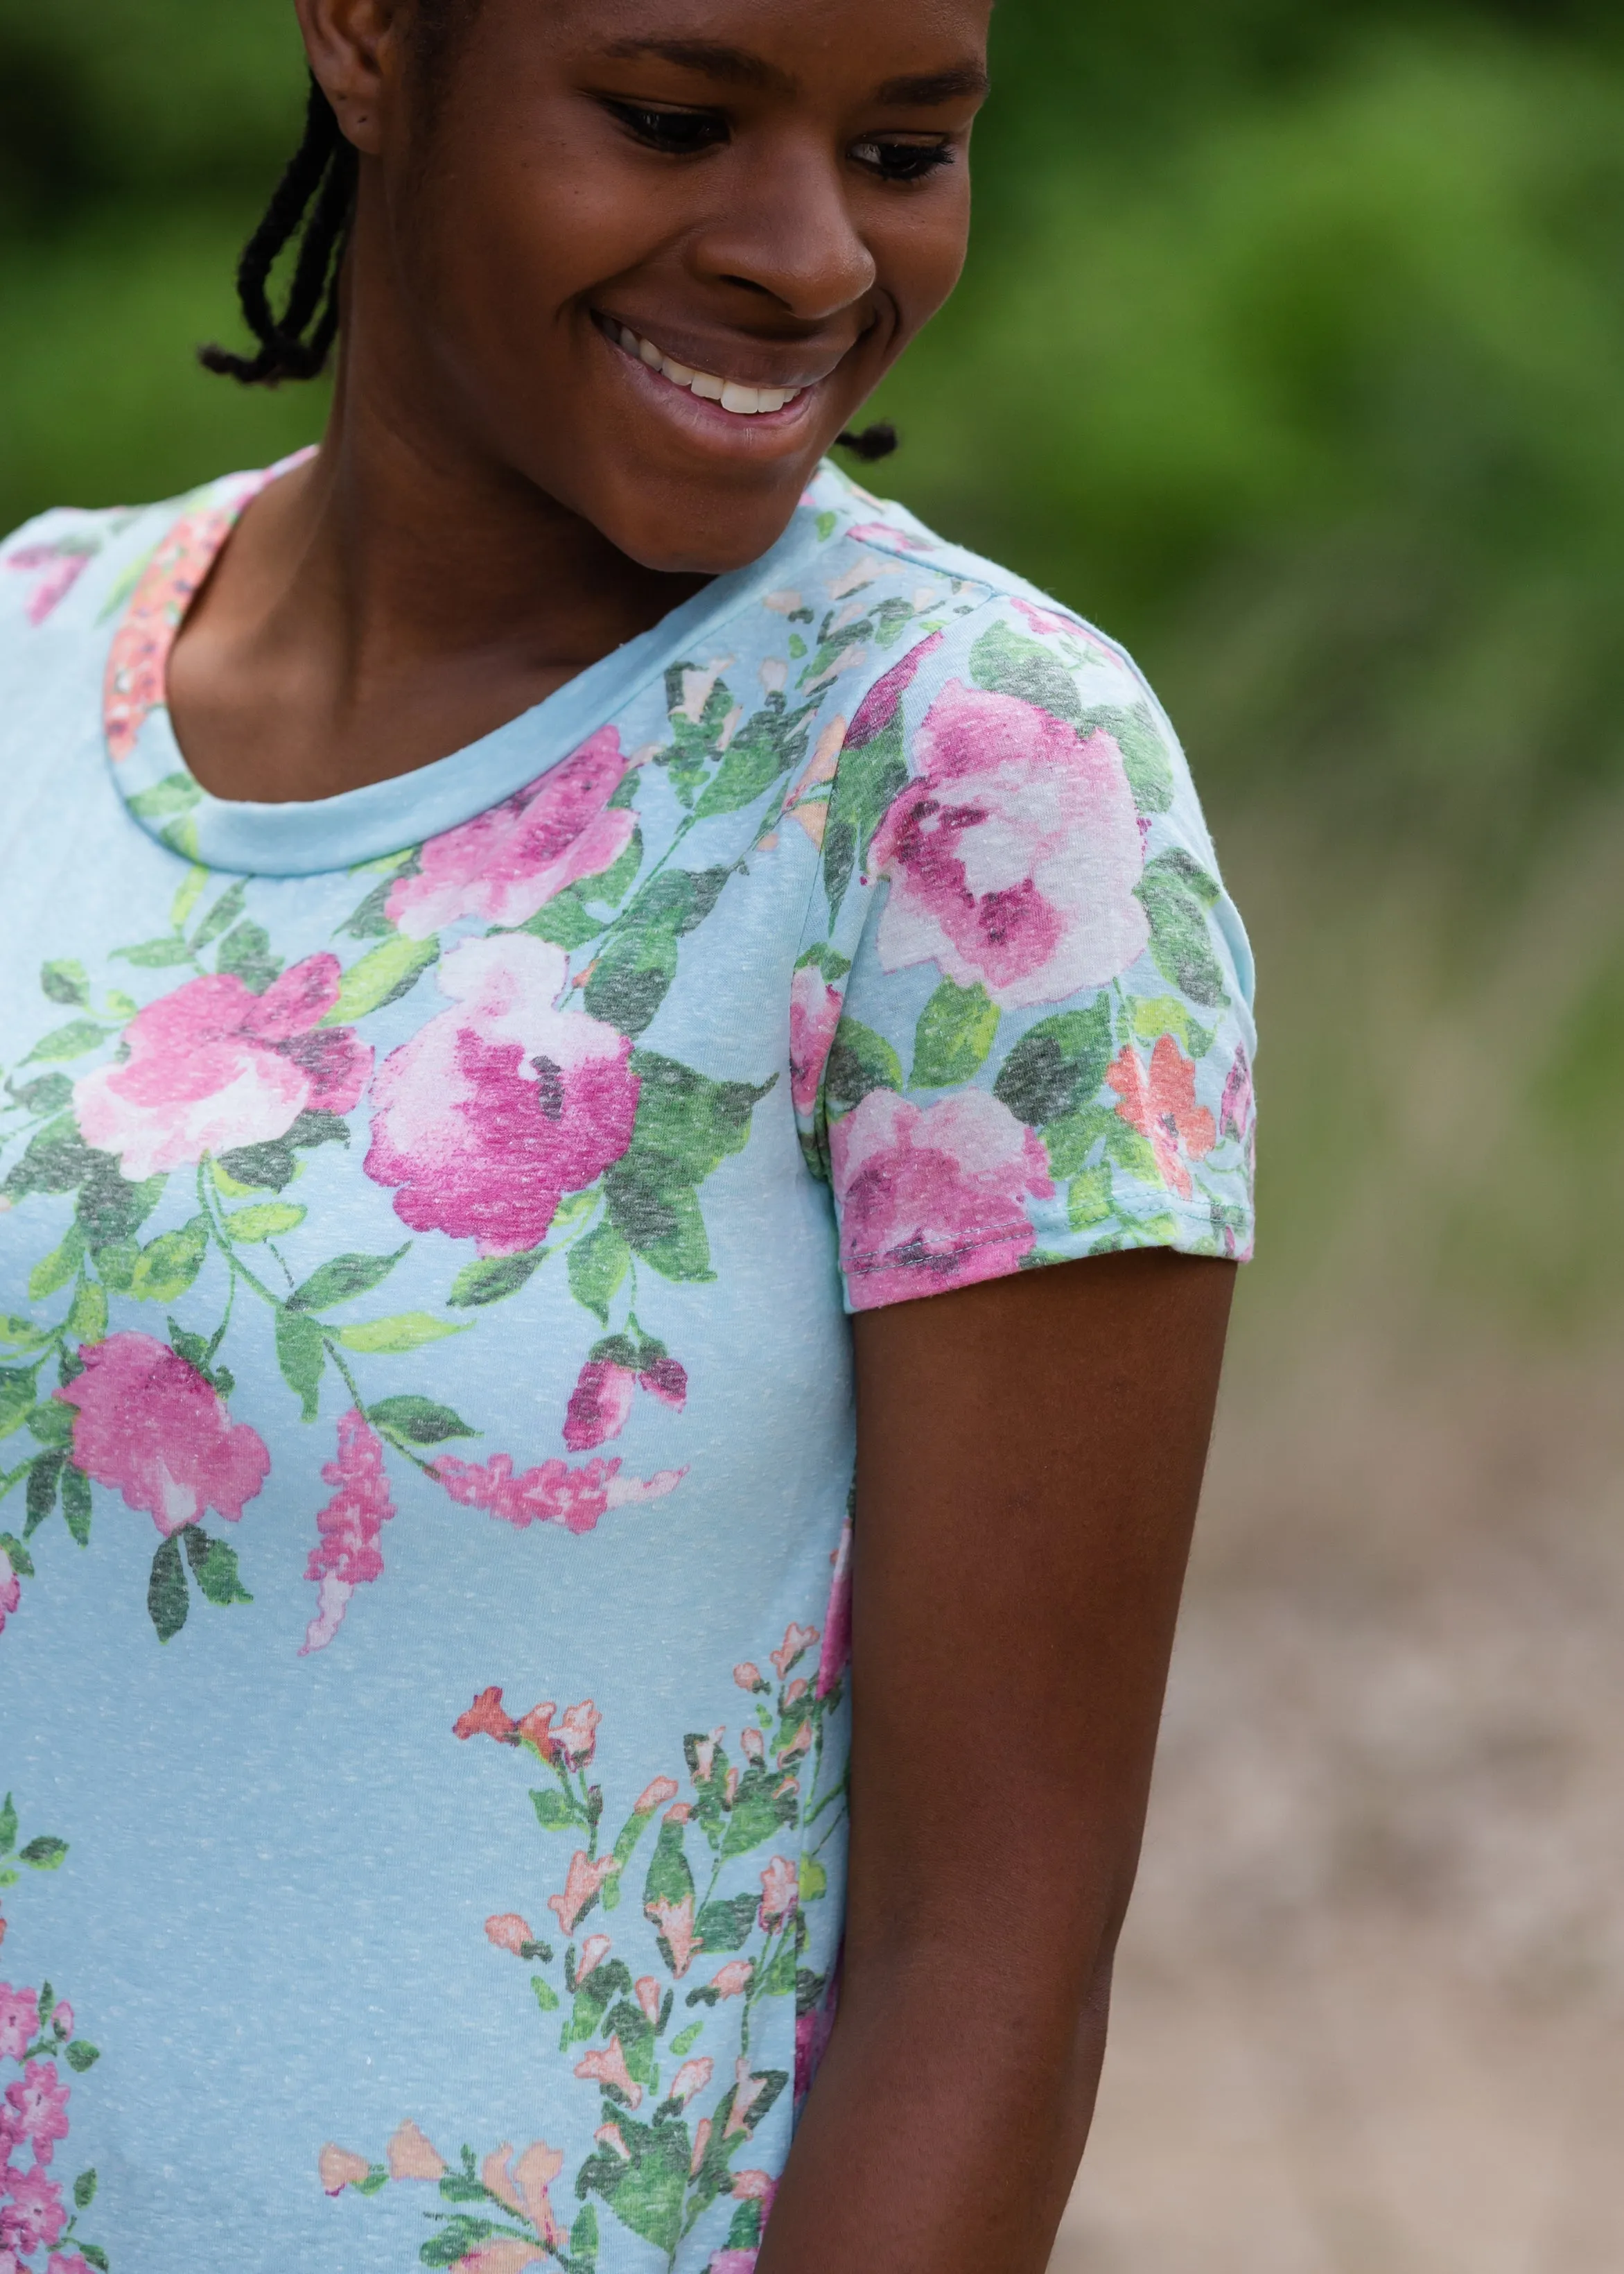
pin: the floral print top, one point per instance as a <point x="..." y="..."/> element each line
<point x="428" y="1220"/>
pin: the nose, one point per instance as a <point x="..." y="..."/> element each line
<point x="784" y="229"/>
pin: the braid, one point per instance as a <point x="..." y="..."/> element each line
<point x="312" y="203"/>
<point x="872" y="443"/>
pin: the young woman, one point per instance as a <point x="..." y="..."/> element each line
<point x="585" y="1000"/>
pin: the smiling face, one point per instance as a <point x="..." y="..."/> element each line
<point x="651" y="256"/>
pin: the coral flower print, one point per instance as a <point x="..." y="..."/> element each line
<point x="1013" y="857"/>
<point x="347" y="1554"/>
<point x="933" y="1197"/>
<point x="1160" y="1105"/>
<point x="150" y="1426"/>
<point x="505" y="865"/>
<point x="813" y="1014"/>
<point x="503" y="1103"/>
<point x="214" y="1066"/>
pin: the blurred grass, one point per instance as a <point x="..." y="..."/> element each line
<point x="1290" y="350"/>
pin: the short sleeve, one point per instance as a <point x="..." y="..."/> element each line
<point x="1020" y="1021"/>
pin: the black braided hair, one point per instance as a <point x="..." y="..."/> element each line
<point x="314" y="203"/>
<point x="871" y="443"/>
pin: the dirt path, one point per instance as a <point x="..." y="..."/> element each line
<point x="1370" y="2013"/>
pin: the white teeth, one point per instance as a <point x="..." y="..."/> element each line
<point x="744" y="401"/>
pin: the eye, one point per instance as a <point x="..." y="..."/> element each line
<point x="895" y="161"/>
<point x="679" y="133"/>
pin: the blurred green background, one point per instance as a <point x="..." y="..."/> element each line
<point x="1291" y="352"/>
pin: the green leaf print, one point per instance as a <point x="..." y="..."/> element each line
<point x="17" y="1397"/>
<point x="246" y="955"/>
<point x="41" y="1498"/>
<point x="301" y="1355"/>
<point x="632" y="977"/>
<point x="76" y="1503"/>
<point x="70" y="1042"/>
<point x="726" y="1924"/>
<point x="168" y="800"/>
<point x="168" y="1601"/>
<point x="646" y="2193"/>
<point x="583" y="2241"/>
<point x="48" y="1094"/>
<point x="859" y="1061"/>
<point x="555" y="1810"/>
<point x="546" y="1995"/>
<point x="1144" y="753"/>
<point x="381" y="978"/>
<point x="1088" y="1202"/>
<point x="344" y="1278"/>
<point x="270" y="1220"/>
<point x="867" y="781"/>
<point x="1003" y="663"/>
<point x="109" y="1208"/>
<point x="274" y="1165"/>
<point x="1166" y="1014"/>
<point x="1057" y="1066"/>
<point x="407" y="1331"/>
<point x="418" y="1421"/>
<point x="597" y="1265"/>
<point x="214" y="1566"/>
<point x="55" y="1270"/>
<point x="1176" y="893"/>
<point x="687" y="1126"/>
<point x="44" y="1854"/>
<point x="8" y="1825"/>
<point x="492" y="1279"/>
<point x="66" y="981"/>
<point x="84" y="2190"/>
<point x="774" y="743"/>
<point x="957" y="1029"/>
<point x="167" y="1267"/>
<point x="220" y="918"/>
<point x="51" y="1421"/>
<point x="87" y="1314"/>
<point x="669" y="1879"/>
<point x="155" y="954"/>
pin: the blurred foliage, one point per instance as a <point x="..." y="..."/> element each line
<point x="1290" y="349"/>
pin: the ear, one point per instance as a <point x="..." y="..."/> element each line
<point x="354" y="47"/>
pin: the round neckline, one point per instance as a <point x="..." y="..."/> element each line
<point x="317" y="836"/>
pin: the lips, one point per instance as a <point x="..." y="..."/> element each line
<point x="740" y="398"/>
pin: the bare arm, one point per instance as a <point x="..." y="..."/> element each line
<point x="1030" y="1456"/>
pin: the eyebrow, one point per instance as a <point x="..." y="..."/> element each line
<point x="740" y="67"/>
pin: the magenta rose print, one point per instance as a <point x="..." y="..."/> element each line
<point x="39" y="2206"/>
<point x="214" y="1067"/>
<point x="505" y="865"/>
<point x="616" y="1368"/>
<point x="502" y="1104"/>
<point x="660" y="2014"/>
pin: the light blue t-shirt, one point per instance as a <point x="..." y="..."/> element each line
<point x="428" y="1224"/>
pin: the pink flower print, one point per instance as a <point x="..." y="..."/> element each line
<point x="704" y="1756"/>
<point x="58" y="566"/>
<point x="61" y="2020"/>
<point x="1237" y="1110"/>
<point x="933" y="1197"/>
<point x="681" y="1813"/>
<point x="68" y="2263"/>
<point x="650" y="1998"/>
<point x="507" y="2255"/>
<point x="37" y="2106"/>
<point x="656" y="1795"/>
<point x="733" y="2261"/>
<point x="1013" y="854"/>
<point x="486" y="1718"/>
<point x="838" y="1620"/>
<point x="1045" y="623"/>
<point x="20" y="2020"/>
<point x="506" y="864"/>
<point x="813" y="1014"/>
<point x="600" y="1405"/>
<point x="781" y="1892"/>
<point x="701" y="2145"/>
<point x="754" y="2187"/>
<point x="795" y="1640"/>
<point x="533" y="2174"/>
<point x="887" y="533"/>
<point x="575" y="1739"/>
<point x="493" y="2173"/>
<point x="583" y="1886"/>
<point x="879" y="707"/>
<point x="798" y="1688"/>
<point x="508" y="1932"/>
<point x="674" y="1923"/>
<point x="609" y="2068"/>
<point x="800" y="1743"/>
<point x="1160" y="1105"/>
<point x="730" y="1788"/>
<point x="11" y="1589"/>
<point x="214" y="1066"/>
<point x="501" y="1105"/>
<point x="601" y="1402"/>
<point x="611" y="2137"/>
<point x="749" y="1676"/>
<point x="348" y="1554"/>
<point x="753" y="1745"/>
<point x="594" y="1950"/>
<point x="411" y="2155"/>
<point x="339" y="2169"/>
<point x="150" y="1424"/>
<point x="747" y="2090"/>
<point x="735" y="1978"/>
<point x="552" y="1493"/>
<point x="34" y="2217"/>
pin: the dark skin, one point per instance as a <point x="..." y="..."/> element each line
<point x="505" y="494"/>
